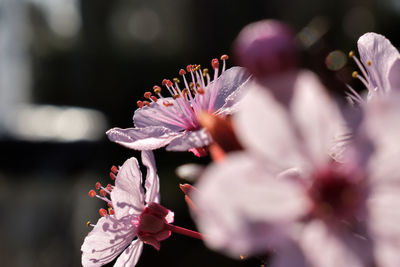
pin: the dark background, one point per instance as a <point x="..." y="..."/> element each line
<point x="112" y="53"/>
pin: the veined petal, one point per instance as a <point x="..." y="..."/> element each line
<point x="152" y="183"/>
<point x="148" y="138"/>
<point x="190" y="139"/>
<point x="231" y="85"/>
<point x="106" y="241"/>
<point x="127" y="195"/>
<point x="246" y="218"/>
<point x="131" y="255"/>
<point x="380" y="56"/>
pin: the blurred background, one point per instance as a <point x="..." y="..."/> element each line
<point x="71" y="69"/>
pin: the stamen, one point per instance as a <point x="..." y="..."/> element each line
<point x="102" y="212"/>
<point x="139" y="104"/>
<point x="103" y="193"/>
<point x="89" y="223"/>
<point x="92" y="193"/>
<point x="153" y="98"/>
<point x="98" y="185"/>
<point x="147" y="95"/>
<point x="215" y="63"/>
<point x="189" y="68"/>
<point x="112" y="176"/>
<point x="156" y="89"/>
<point x="147" y="103"/>
<point x="111" y="211"/>
<point x="182" y="72"/>
<point x="114" y="169"/>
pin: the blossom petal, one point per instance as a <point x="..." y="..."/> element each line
<point x="190" y="139"/>
<point x="131" y="255"/>
<point x="127" y="195"/>
<point x="232" y="85"/>
<point x="323" y="247"/>
<point x="147" y="116"/>
<point x="247" y="219"/>
<point x="296" y="130"/>
<point x="378" y="50"/>
<point x="106" y="241"/>
<point x="148" y="138"/>
<point x="152" y="183"/>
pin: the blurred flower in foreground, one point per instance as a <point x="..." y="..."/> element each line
<point x="284" y="192"/>
<point x="132" y="213"/>
<point x="379" y="64"/>
<point x="173" y="121"/>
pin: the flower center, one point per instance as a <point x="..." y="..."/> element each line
<point x="182" y="105"/>
<point x="335" y="195"/>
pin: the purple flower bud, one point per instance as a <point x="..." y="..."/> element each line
<point x="266" y="47"/>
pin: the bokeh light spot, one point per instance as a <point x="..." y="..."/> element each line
<point x="336" y="60"/>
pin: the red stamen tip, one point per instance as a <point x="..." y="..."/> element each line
<point x="182" y="72"/>
<point x="114" y="169"/>
<point x="109" y="187"/>
<point x="164" y="82"/>
<point x="147" y="103"/>
<point x="102" y="212"/>
<point x="224" y="57"/>
<point x="200" y="91"/>
<point x="147" y="95"/>
<point x="153" y="98"/>
<point x="139" y="104"/>
<point x="98" y="185"/>
<point x="215" y="63"/>
<point x="111" y="211"/>
<point x="156" y="89"/>
<point x="109" y="205"/>
<point x="103" y="193"/>
<point x="92" y="193"/>
<point x="112" y="176"/>
<point x="189" y="68"/>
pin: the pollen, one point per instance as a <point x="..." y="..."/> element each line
<point x="102" y="212"/>
<point x="111" y="211"/>
<point x="147" y="95"/>
<point x="351" y="54"/>
<point x="369" y="62"/>
<point x="224" y="57"/>
<point x="88" y="223"/>
<point x="114" y="169"/>
<point x="156" y="89"/>
<point x="92" y="193"/>
<point x="103" y="193"/>
<point x="205" y="72"/>
<point x="354" y="74"/>
<point x="98" y="185"/>
<point x="176" y="80"/>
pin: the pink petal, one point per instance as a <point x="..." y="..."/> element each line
<point x="325" y="246"/>
<point x="190" y="139"/>
<point x="131" y="255"/>
<point x="128" y="196"/>
<point x="148" y="138"/>
<point x="106" y="241"/>
<point x="237" y="203"/>
<point x="152" y="183"/>
<point x="383" y="56"/>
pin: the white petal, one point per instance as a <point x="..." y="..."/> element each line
<point x="131" y="255"/>
<point x="106" y="241"/>
<point x="238" y="205"/>
<point x="148" y="138"/>
<point x="190" y="139"/>
<point x="383" y="57"/>
<point x="127" y="195"/>
<point x="324" y="247"/>
<point x="152" y="183"/>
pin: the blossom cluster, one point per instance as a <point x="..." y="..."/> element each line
<point x="297" y="176"/>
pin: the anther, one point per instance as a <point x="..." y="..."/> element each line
<point x="139" y="104"/>
<point x="156" y="89"/>
<point x="185" y="91"/>
<point x="112" y="176"/>
<point x="176" y="80"/>
<point x="354" y="74"/>
<point x="147" y="103"/>
<point x="92" y="193"/>
<point x="205" y="72"/>
<point x="111" y="211"/>
<point x="114" y="169"/>
<point x="176" y="96"/>
<point x="169" y="83"/>
<point x="189" y="68"/>
<point x="88" y="223"/>
<point x="98" y="185"/>
<point x="147" y="95"/>
<point x="182" y="72"/>
<point x="351" y="54"/>
<point x="103" y="193"/>
<point x="200" y="91"/>
<point x="153" y="98"/>
<point x="369" y="62"/>
<point x="215" y="63"/>
<point x="102" y="212"/>
<point x="224" y="57"/>
<point x="109" y="187"/>
<point x="164" y="81"/>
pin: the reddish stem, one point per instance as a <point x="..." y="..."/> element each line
<point x="183" y="231"/>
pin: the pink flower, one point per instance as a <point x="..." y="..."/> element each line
<point x="379" y="65"/>
<point x="135" y="217"/>
<point x="284" y="192"/>
<point x="172" y="120"/>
